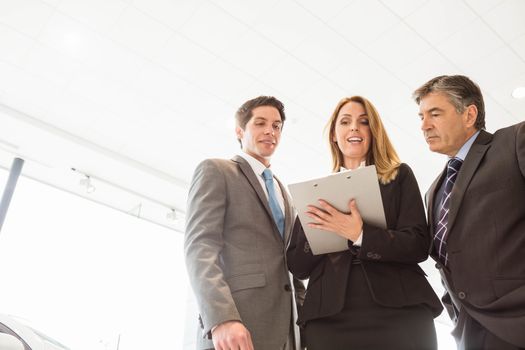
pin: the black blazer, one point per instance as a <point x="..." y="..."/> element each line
<point x="485" y="273"/>
<point x="389" y="257"/>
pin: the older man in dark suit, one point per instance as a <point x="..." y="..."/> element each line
<point x="476" y="212"/>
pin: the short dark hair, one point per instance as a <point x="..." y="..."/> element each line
<point x="244" y="113"/>
<point x="461" y="92"/>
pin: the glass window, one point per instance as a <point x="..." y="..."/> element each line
<point x="90" y="276"/>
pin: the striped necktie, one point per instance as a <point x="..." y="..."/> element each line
<point x="440" y="238"/>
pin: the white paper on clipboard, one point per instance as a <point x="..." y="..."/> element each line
<point x="337" y="189"/>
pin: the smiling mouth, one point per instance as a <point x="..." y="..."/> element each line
<point x="354" y="139"/>
<point x="268" y="142"/>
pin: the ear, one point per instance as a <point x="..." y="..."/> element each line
<point x="471" y="116"/>
<point x="239" y="132"/>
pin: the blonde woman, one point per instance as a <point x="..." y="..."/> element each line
<point x="373" y="295"/>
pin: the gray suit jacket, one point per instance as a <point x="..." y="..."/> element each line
<point x="235" y="255"/>
<point x="486" y="241"/>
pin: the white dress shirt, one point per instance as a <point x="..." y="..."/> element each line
<point x="258" y="169"/>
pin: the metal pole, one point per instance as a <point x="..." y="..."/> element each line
<point x="14" y="173"/>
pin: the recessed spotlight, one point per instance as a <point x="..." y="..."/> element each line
<point x="519" y="92"/>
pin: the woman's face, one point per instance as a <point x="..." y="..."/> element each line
<point x="352" y="134"/>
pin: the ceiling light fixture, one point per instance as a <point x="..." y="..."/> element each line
<point x="143" y="206"/>
<point x="86" y="182"/>
<point x="519" y="92"/>
<point x="172" y="215"/>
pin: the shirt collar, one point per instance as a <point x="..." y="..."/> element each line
<point x="463" y="151"/>
<point x="256" y="165"/>
<point x="361" y="165"/>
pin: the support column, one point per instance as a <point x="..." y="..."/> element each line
<point x="14" y="173"/>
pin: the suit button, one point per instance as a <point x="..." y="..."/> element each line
<point x="439" y="265"/>
<point x="462" y="295"/>
<point x="287" y="288"/>
<point x="306" y="248"/>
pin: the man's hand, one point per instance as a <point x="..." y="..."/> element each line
<point x="231" y="335"/>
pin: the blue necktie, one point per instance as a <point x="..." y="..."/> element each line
<point x="277" y="213"/>
<point x="440" y="238"/>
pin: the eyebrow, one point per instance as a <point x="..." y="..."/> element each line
<point x="266" y="120"/>
<point x="434" y="109"/>
<point x="349" y="115"/>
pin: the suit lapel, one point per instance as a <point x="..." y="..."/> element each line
<point x="254" y="182"/>
<point x="468" y="169"/>
<point x="431" y="198"/>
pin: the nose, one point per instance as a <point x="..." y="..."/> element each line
<point x="425" y="124"/>
<point x="354" y="126"/>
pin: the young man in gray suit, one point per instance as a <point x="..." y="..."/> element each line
<point x="476" y="213"/>
<point x="238" y="224"/>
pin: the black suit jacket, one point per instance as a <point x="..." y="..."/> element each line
<point x="389" y="257"/>
<point x="485" y="273"/>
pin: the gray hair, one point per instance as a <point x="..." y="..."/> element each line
<point x="461" y="92"/>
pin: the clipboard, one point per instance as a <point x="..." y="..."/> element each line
<point x="338" y="189"/>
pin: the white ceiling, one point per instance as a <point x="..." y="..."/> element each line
<point x="135" y="93"/>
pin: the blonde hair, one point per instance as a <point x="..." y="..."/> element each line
<point x="381" y="153"/>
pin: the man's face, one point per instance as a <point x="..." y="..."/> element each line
<point x="262" y="133"/>
<point x="445" y="129"/>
